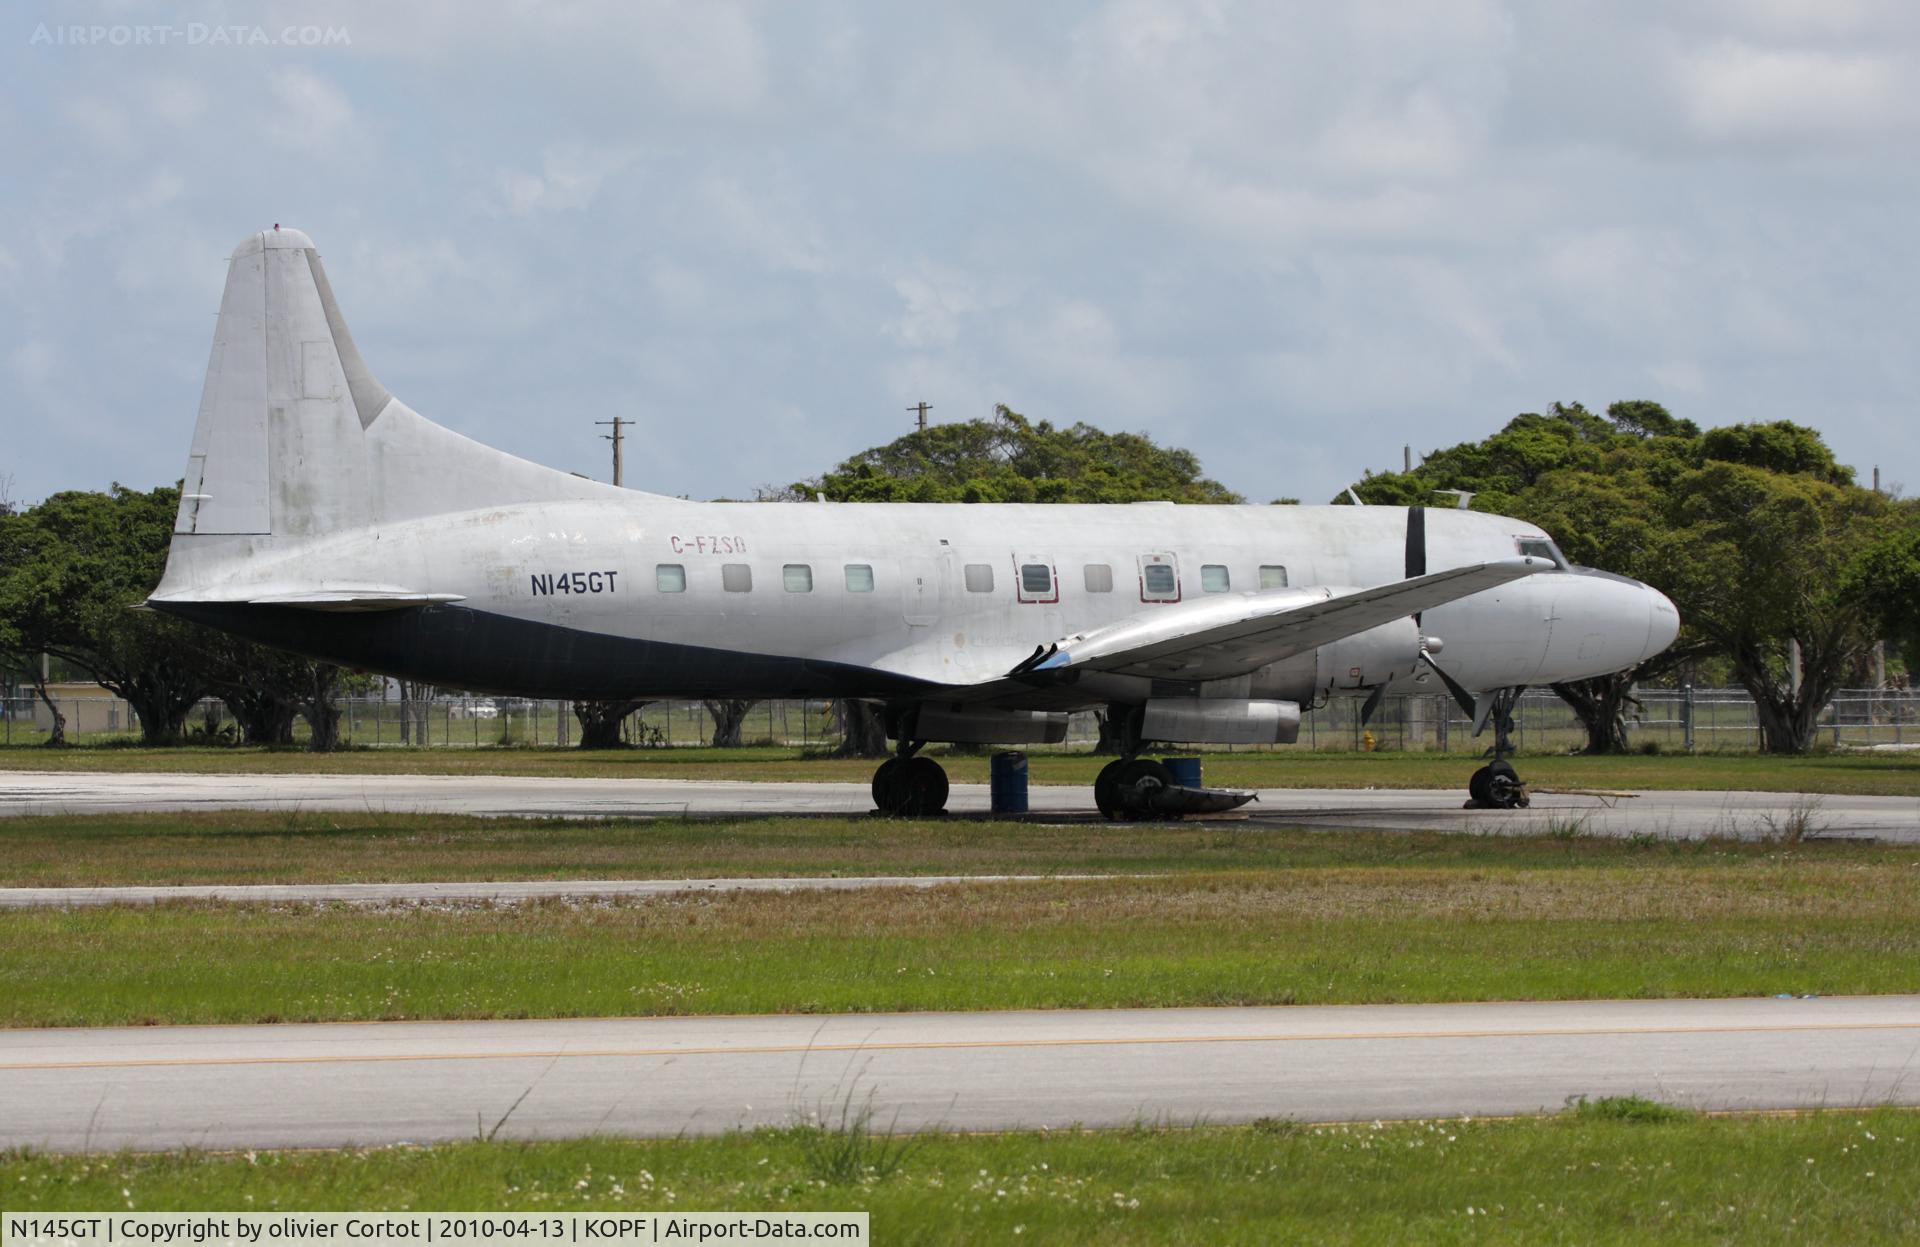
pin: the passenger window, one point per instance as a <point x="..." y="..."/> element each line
<point x="1273" y="576"/>
<point x="1159" y="578"/>
<point x="736" y="578"/>
<point x="670" y="577"/>
<point x="1099" y="578"/>
<point x="979" y="578"/>
<point x="859" y="578"/>
<point x="1035" y="581"/>
<point x="1214" y="578"/>
<point x="797" y="577"/>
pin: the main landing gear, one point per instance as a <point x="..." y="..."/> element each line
<point x="1134" y="787"/>
<point x="908" y="785"/>
<point x="1497" y="786"/>
<point x="1126" y="786"/>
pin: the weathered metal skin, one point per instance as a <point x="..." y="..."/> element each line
<point x="324" y="515"/>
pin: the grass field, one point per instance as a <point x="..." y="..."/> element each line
<point x="244" y="846"/>
<point x="1613" y="1172"/>
<point x="1276" y="920"/>
<point x="1877" y="774"/>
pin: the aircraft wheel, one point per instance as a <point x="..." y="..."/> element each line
<point x="1504" y="789"/>
<point x="887" y="787"/>
<point x="1106" y="788"/>
<point x="1479" y="786"/>
<point x="924" y="786"/>
<point x="1137" y="781"/>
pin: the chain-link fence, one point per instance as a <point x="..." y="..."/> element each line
<point x="1671" y="720"/>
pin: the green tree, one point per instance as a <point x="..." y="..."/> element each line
<point x="1757" y="561"/>
<point x="1886" y="577"/>
<point x="1645" y="494"/>
<point x="1013" y="459"/>
<point x="76" y="567"/>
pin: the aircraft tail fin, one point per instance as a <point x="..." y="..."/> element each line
<point x="297" y="438"/>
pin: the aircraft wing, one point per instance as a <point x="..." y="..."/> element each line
<point x="1225" y="635"/>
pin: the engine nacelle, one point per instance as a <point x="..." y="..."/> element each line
<point x="973" y="725"/>
<point x="1363" y="660"/>
<point x="1221" y="720"/>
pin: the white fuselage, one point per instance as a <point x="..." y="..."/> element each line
<point x="656" y="569"/>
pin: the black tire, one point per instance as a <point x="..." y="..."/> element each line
<point x="1137" y="779"/>
<point x="923" y="784"/>
<point x="1480" y="786"/>
<point x="887" y="787"/>
<point x="1106" y="789"/>
<point x="1504" y="789"/>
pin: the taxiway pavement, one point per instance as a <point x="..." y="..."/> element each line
<point x="378" y="1083"/>
<point x="1675" y="814"/>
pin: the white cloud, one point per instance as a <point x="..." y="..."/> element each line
<point x="569" y="180"/>
<point x="176" y="101"/>
<point x="309" y="112"/>
<point x="706" y="56"/>
<point x="1289" y="236"/>
<point x="102" y="121"/>
<point x="1679" y="376"/>
<point x="769" y="223"/>
<point x="936" y="300"/>
<point x="1735" y="90"/>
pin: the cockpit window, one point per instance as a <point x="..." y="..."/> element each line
<point x="1541" y="548"/>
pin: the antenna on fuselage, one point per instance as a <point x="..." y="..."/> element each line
<point x="1461" y="497"/>
<point x="1355" y="497"/>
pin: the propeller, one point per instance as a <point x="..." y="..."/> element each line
<point x="1462" y="698"/>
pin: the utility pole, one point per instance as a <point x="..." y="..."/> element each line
<point x="619" y="474"/>
<point x="923" y="408"/>
<point x="1406" y="458"/>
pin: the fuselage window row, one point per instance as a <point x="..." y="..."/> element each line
<point x="1158" y="579"/>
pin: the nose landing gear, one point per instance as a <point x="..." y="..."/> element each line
<point x="1497" y="786"/>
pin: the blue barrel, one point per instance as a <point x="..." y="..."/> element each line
<point x="1007" y="782"/>
<point x="1186" y="771"/>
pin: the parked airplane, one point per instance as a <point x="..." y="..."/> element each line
<point x="322" y="515"/>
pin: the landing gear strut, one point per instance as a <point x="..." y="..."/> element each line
<point x="908" y="786"/>
<point x="1135" y="787"/>
<point x="1497" y="786"/>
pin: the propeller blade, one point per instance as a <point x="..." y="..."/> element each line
<point x="1372" y="704"/>
<point x="1461" y="696"/>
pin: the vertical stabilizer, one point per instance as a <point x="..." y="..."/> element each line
<point x="296" y="437"/>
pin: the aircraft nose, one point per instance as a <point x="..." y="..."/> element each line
<point x="1663" y="621"/>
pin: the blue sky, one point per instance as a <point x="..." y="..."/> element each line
<point x="1290" y="237"/>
